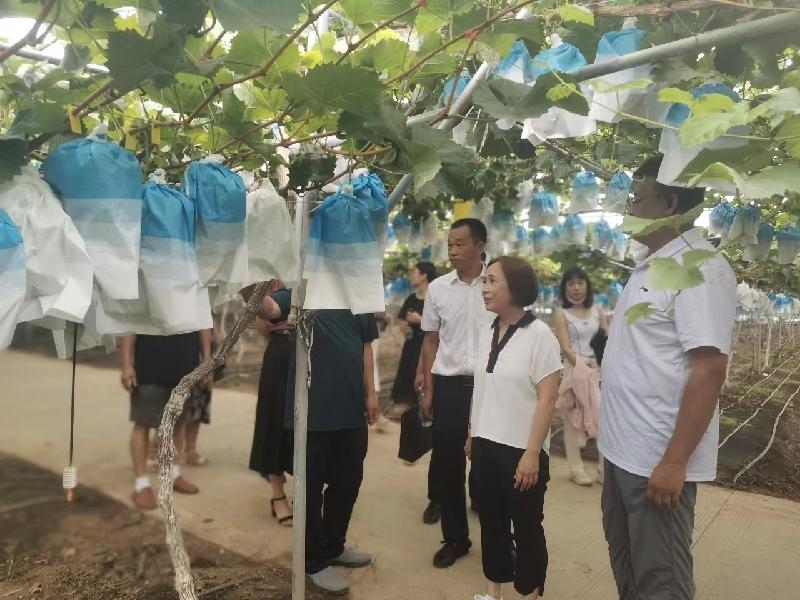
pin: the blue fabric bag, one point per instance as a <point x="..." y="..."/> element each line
<point x="13" y="280"/>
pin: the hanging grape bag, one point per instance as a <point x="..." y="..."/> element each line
<point x="220" y="238"/>
<point x="12" y="278"/>
<point x="99" y="184"/>
<point x="617" y="193"/>
<point x="343" y="265"/>
<point x="272" y="249"/>
<point x="369" y="188"/>
<point x="585" y="193"/>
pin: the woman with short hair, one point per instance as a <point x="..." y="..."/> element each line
<point x="516" y="382"/>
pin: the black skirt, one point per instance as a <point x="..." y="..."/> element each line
<point x="403" y="388"/>
<point x="272" y="450"/>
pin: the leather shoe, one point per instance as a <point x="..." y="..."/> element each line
<point x="449" y="554"/>
<point x="432" y="514"/>
<point x="182" y="486"/>
<point x="144" y="499"/>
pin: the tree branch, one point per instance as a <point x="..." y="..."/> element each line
<point x="184" y="581"/>
<point x="29" y="37"/>
<point x="264" y="69"/>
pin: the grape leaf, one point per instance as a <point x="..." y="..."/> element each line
<point x="636" y="226"/>
<point x="372" y="12"/>
<point x="571" y="13"/>
<point x="669" y="274"/>
<point x="237" y="15"/>
<point x="791" y="129"/>
<point x="38" y="118"/>
<point x="675" y="96"/>
<point x="643" y="310"/>
<point x="336" y="87"/>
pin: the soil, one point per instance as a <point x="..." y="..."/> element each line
<point x="95" y="548"/>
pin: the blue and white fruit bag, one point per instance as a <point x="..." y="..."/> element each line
<point x="100" y="185"/>
<point x="221" y="239"/>
<point x="760" y="250"/>
<point x="59" y="269"/>
<point x="585" y="193"/>
<point x="12" y="278"/>
<point x="343" y="265"/>
<point x="369" y="188"/>
<point x="543" y="210"/>
<point x="617" y="193"/>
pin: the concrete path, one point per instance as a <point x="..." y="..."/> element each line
<point x="747" y="546"/>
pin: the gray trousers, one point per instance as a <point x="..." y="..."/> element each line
<point x="650" y="548"/>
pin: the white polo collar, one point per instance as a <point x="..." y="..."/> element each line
<point x="687" y="239"/>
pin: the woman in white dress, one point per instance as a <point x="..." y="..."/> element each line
<point x="576" y="323"/>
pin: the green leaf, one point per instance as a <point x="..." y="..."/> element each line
<point x="336" y="87"/>
<point x="791" y="129"/>
<point x="643" y="310"/>
<point x="775" y="181"/>
<point x="13" y="155"/>
<point x="717" y="172"/>
<point x="372" y="12"/>
<point x="503" y="98"/>
<point x="674" y="70"/>
<point x="637" y="227"/>
<point x="695" y="258"/>
<point x="574" y="101"/>
<point x="571" y="13"/>
<point x="237" y="15"/>
<point x="449" y="8"/>
<point x="712" y="103"/>
<point x="675" y="96"/>
<point x="669" y="274"/>
<point x="132" y="59"/>
<point x="38" y="118"/>
<point x="784" y="101"/>
<point x="252" y="48"/>
<point x="75" y="57"/>
<point x="603" y="87"/>
<point x="185" y="12"/>
<point x="703" y="128"/>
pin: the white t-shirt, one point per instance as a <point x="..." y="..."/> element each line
<point x="503" y="401"/>
<point x="456" y="310"/>
<point x="646" y="364"/>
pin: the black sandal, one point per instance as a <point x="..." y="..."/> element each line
<point x="283" y="520"/>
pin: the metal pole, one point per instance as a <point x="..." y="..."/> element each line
<point x="735" y="34"/>
<point x="301" y="218"/>
<point x="461" y="105"/>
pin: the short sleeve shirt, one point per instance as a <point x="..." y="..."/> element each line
<point x="283" y="298"/>
<point x="646" y="363"/>
<point x="504" y="401"/>
<point x="336" y="396"/>
<point x="165" y="359"/>
<point x="456" y="310"/>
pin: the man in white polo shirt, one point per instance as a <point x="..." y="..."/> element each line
<point x="659" y="424"/>
<point x="453" y="320"/>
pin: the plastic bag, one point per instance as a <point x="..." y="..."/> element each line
<point x="602" y="237"/>
<point x="343" y="265"/>
<point x="221" y="239"/>
<point x="100" y="185"/>
<point x="619" y="247"/>
<point x="614" y="292"/>
<point x="430" y="229"/>
<point x="517" y="66"/>
<point x="543" y="241"/>
<point x="617" y="193"/>
<point x="401" y="225"/>
<point x="788" y="244"/>
<point x="504" y="229"/>
<point x="543" y="210"/>
<point x="272" y="249"/>
<point x="585" y="193"/>
<point x="720" y="220"/>
<point x="13" y="281"/>
<point x="369" y="188"/>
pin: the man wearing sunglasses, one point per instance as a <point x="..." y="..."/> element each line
<point x="659" y="423"/>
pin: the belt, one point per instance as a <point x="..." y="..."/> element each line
<point x="464" y="379"/>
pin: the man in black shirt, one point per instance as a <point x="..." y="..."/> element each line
<point x="341" y="402"/>
<point x="151" y="367"/>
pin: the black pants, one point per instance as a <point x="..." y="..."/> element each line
<point x="452" y="397"/>
<point x="336" y="460"/>
<point x="501" y="505"/>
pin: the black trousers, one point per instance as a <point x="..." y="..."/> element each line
<point x="452" y="397"/>
<point x="501" y="505"/>
<point x="334" y="471"/>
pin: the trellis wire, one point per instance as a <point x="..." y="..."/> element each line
<point x="759" y="382"/>
<point x="764" y="452"/>
<point x="760" y="406"/>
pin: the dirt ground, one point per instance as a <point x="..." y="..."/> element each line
<point x="96" y="548"/>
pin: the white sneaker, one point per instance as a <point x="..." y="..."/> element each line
<point x="485" y="597"/>
<point x="581" y="478"/>
<point x="352" y="559"/>
<point x="329" y="581"/>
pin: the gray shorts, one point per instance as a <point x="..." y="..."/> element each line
<point x="147" y="404"/>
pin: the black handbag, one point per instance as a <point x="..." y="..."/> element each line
<point x="416" y="439"/>
<point x="598" y="344"/>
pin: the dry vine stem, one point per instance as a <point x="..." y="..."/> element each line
<point x="184" y="582"/>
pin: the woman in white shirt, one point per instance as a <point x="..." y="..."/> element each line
<point x="516" y="382"/>
<point x="576" y="324"/>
